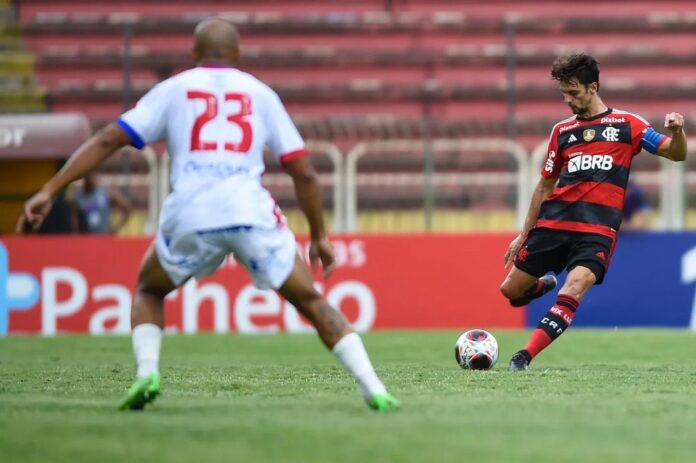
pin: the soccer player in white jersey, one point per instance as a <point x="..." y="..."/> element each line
<point x="216" y="121"/>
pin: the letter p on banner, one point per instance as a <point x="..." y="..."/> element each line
<point x="18" y="291"/>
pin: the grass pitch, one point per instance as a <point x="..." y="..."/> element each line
<point x="615" y="396"/>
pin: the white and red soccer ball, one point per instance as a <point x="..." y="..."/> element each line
<point x="476" y="350"/>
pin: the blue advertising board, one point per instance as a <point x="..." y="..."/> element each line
<point x="651" y="282"/>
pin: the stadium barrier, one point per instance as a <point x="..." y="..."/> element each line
<point x="57" y="285"/>
<point x="54" y="285"/>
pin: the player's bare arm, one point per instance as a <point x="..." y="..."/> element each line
<point x="308" y="194"/>
<point x="541" y="192"/>
<point x="89" y="155"/>
<point x="675" y="147"/>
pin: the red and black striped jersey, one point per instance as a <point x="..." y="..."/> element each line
<point x="591" y="159"/>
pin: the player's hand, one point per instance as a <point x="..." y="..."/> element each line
<point x="320" y="250"/>
<point x="35" y="211"/>
<point x="515" y="246"/>
<point x="674" y="122"/>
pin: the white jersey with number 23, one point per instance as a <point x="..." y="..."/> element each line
<point x="216" y="122"/>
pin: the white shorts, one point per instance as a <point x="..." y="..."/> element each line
<point x="267" y="254"/>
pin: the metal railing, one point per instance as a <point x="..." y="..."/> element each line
<point x="425" y="146"/>
<point x="672" y="179"/>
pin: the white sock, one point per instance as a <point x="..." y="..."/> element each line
<point x="147" y="342"/>
<point x="352" y="354"/>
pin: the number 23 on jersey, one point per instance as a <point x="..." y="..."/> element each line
<point x="211" y="111"/>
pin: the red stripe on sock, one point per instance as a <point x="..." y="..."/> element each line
<point x="568" y="301"/>
<point x="538" y="341"/>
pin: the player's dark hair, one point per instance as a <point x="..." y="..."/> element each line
<point x="580" y="67"/>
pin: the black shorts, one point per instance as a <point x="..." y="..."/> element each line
<point x="549" y="250"/>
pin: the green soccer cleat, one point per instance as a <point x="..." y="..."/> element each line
<point x="383" y="402"/>
<point x="143" y="391"/>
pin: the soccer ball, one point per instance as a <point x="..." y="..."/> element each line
<point x="476" y="350"/>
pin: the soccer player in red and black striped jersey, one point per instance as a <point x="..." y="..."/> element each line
<point x="575" y="211"/>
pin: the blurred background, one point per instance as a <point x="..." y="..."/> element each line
<point x="419" y="115"/>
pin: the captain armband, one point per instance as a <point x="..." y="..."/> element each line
<point x="651" y="140"/>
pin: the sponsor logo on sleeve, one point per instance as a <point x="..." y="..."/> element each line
<point x="550" y="161"/>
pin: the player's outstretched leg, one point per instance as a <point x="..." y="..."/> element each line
<point x="557" y="319"/>
<point x="337" y="335"/>
<point x="147" y="319"/>
<point x="550" y="327"/>
<point x="542" y="286"/>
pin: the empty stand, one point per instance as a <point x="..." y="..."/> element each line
<point x="18" y="89"/>
<point x="357" y="70"/>
<point x="415" y="58"/>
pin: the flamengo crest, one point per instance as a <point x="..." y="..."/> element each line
<point x="611" y="134"/>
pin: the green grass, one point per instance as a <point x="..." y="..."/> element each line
<point x="614" y="396"/>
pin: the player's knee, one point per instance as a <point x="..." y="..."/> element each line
<point x="508" y="290"/>
<point x="505" y="291"/>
